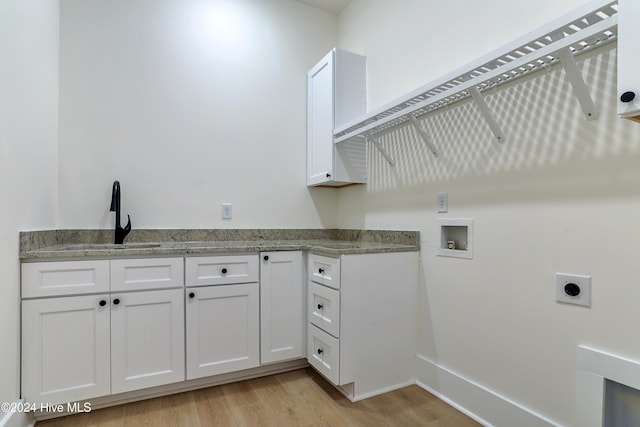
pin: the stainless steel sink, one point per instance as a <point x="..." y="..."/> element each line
<point x="108" y="246"/>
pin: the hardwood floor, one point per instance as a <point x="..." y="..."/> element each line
<point x="297" y="398"/>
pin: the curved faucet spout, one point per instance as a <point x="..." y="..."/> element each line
<point x="119" y="233"/>
<point x="115" y="198"/>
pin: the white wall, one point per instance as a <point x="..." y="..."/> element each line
<point x="560" y="195"/>
<point x="28" y="152"/>
<point x="189" y="104"/>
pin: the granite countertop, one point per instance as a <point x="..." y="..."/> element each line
<point x="65" y="244"/>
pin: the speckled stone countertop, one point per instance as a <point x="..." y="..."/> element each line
<point x="66" y="244"/>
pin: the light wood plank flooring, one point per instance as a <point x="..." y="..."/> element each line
<point x="297" y="398"/>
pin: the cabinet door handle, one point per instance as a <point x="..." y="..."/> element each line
<point x="102" y="303"/>
<point x="628" y="96"/>
<point x="192" y="295"/>
<point x="321" y="270"/>
<point x="320" y="306"/>
<point x="266" y="258"/>
<point x="116" y="301"/>
<point x="320" y="351"/>
<point x="224" y="270"/>
<point x="328" y="175"/>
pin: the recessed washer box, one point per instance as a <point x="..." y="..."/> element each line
<point x="456" y="237"/>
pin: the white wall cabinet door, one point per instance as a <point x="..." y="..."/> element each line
<point x="628" y="59"/>
<point x="147" y="339"/>
<point x="65" y="349"/>
<point x="320" y="121"/>
<point x="282" y="297"/>
<point x="336" y="94"/>
<point x="222" y="329"/>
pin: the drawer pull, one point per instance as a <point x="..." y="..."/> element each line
<point x="192" y="295"/>
<point x="224" y="271"/>
<point x="116" y="301"/>
<point x="321" y="270"/>
<point x="320" y="351"/>
<point x="102" y="303"/>
<point x="320" y="307"/>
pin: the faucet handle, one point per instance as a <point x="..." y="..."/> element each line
<point x="127" y="228"/>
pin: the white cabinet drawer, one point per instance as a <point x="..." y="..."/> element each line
<point x="324" y="308"/>
<point x="43" y="279"/>
<point x="324" y="353"/>
<point x="325" y="270"/>
<point x="221" y="270"/>
<point x="146" y="273"/>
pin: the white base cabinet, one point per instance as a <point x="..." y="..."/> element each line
<point x="362" y="322"/>
<point x="222" y="329"/>
<point x="74" y="348"/>
<point x="147" y="339"/>
<point x="282" y="302"/>
<point x="95" y="328"/>
<point x="65" y="349"/>
<point x="77" y="347"/>
<point x="222" y="314"/>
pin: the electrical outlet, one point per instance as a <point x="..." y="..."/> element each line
<point x="573" y="289"/>
<point x="227" y="211"/>
<point x="443" y="202"/>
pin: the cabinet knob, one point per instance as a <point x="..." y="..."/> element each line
<point x="320" y="351"/>
<point x="224" y="271"/>
<point x="628" y="96"/>
<point x="321" y="270"/>
<point x="328" y="175"/>
<point x="102" y="303"/>
<point x="320" y="306"/>
<point x="266" y="258"/>
<point x="192" y="295"/>
<point x="116" y="301"/>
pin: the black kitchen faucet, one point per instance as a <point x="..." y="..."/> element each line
<point x="120" y="232"/>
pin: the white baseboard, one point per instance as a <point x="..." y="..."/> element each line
<point x="474" y="400"/>
<point x="17" y="419"/>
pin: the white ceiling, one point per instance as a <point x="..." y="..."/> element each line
<point x="333" y="6"/>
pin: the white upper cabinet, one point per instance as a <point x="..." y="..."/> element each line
<point x="629" y="59"/>
<point x="336" y="95"/>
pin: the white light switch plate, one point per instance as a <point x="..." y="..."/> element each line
<point x="227" y="211"/>
<point x="443" y="202"/>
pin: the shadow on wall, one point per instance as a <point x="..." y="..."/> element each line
<point x="548" y="142"/>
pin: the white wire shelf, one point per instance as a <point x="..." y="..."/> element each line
<point x="577" y="32"/>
